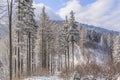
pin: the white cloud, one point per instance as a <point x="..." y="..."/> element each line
<point x="105" y="13"/>
<point x="38" y="8"/>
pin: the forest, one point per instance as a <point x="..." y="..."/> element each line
<point x="47" y="49"/>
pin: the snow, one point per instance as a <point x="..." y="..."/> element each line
<point x="79" y="58"/>
<point x="95" y="55"/>
<point x="44" y="78"/>
<point x="99" y="56"/>
<point x="118" y="78"/>
<point x="4" y="58"/>
<point x="90" y="77"/>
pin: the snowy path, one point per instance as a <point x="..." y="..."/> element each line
<point x="44" y="78"/>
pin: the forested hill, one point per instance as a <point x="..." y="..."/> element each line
<point x="91" y="27"/>
<point x="4" y="28"/>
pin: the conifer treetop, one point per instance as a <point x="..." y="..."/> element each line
<point x="72" y="18"/>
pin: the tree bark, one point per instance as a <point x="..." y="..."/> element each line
<point x="68" y="55"/>
<point x="10" y="34"/>
<point x="29" y="55"/>
<point x="73" y="53"/>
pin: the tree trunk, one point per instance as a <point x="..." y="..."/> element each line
<point x="10" y="35"/>
<point x="68" y="55"/>
<point x="18" y="55"/>
<point x="27" y="55"/>
<point x="29" y="35"/>
<point x="15" y="62"/>
<point x="73" y="54"/>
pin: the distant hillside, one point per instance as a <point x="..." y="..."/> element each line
<point x="4" y="28"/>
<point x="91" y="27"/>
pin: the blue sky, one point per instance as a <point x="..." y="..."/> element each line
<point x="103" y="13"/>
<point x="57" y="4"/>
<point x="54" y="4"/>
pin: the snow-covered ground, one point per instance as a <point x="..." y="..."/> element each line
<point x="58" y="78"/>
<point x="44" y="78"/>
<point x="4" y="58"/>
